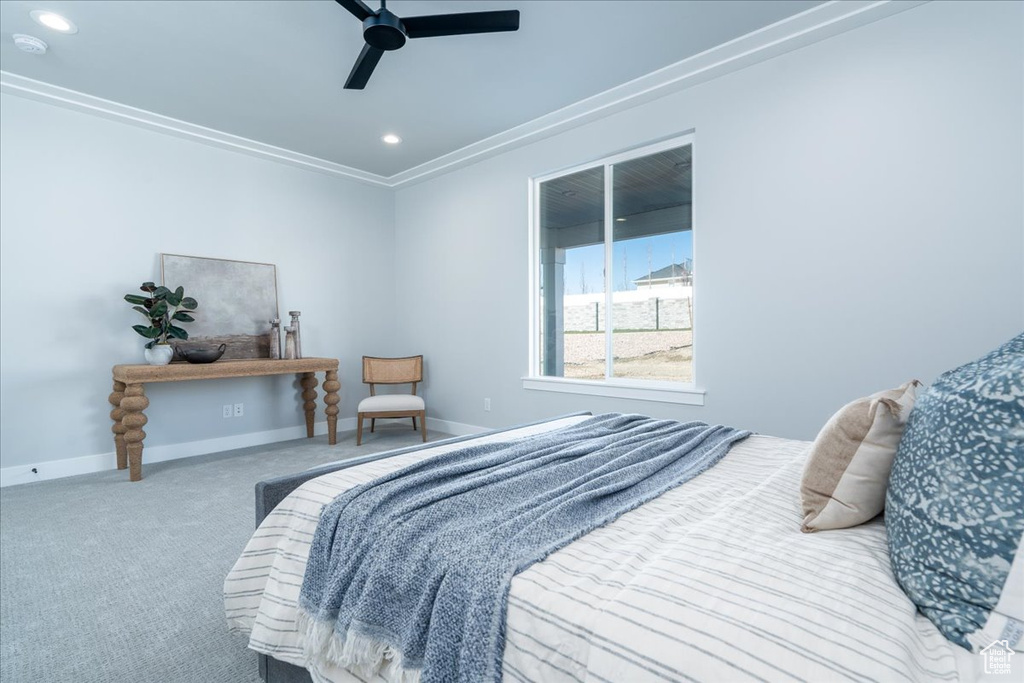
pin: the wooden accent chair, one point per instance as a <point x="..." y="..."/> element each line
<point x="407" y="370"/>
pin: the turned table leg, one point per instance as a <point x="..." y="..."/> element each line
<point x="132" y="405"/>
<point x="309" y="396"/>
<point x="331" y="386"/>
<point x="118" y="428"/>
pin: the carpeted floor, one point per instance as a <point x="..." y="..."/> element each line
<point x="102" y="579"/>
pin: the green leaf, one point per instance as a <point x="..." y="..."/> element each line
<point x="147" y="332"/>
<point x="183" y="317"/>
<point x="159" y="310"/>
<point x="161" y="292"/>
<point x="175" y="297"/>
<point x="141" y="310"/>
<point x="135" y="299"/>
<point x="176" y="332"/>
<point x="189" y="303"/>
<point x="147" y="287"/>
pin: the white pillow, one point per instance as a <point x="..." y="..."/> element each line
<point x="847" y="471"/>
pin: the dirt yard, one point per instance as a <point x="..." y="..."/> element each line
<point x="662" y="355"/>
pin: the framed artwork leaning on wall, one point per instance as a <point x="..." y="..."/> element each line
<point x="239" y="301"/>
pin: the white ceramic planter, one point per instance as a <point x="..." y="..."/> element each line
<point x="159" y="355"/>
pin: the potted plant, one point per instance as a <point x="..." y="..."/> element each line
<point x="162" y="308"/>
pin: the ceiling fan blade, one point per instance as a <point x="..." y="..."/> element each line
<point x="461" y="24"/>
<point x="357" y="8"/>
<point x="363" y="68"/>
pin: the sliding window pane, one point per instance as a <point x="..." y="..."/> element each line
<point x="652" y="267"/>
<point x="572" y="276"/>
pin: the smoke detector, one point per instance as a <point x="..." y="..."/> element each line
<point x="29" y="44"/>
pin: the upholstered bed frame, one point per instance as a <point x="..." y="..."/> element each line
<point x="271" y="492"/>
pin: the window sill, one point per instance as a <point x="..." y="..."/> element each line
<point x="638" y="391"/>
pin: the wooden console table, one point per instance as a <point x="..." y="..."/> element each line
<point x="129" y="395"/>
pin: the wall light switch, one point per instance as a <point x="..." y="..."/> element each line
<point x="227" y="410"/>
<point x="487" y="404"/>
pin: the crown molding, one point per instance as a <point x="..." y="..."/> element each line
<point x="813" y="25"/>
<point x="14" y="84"/>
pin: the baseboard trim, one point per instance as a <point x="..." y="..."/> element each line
<point x="453" y="428"/>
<point x="87" y="464"/>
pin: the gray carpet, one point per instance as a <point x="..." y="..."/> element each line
<point x="102" y="579"/>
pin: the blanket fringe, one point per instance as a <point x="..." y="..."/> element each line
<point x="354" y="651"/>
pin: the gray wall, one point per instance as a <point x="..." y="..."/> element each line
<point x="874" y="179"/>
<point x="88" y="204"/>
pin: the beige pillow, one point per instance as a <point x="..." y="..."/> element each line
<point x="847" y="470"/>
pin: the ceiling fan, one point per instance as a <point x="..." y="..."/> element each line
<point x="384" y="31"/>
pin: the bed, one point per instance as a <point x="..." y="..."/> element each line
<point x="711" y="581"/>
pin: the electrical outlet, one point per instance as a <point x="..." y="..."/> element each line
<point x="487" y="404"/>
<point x="239" y="409"/>
<point x="227" y="410"/>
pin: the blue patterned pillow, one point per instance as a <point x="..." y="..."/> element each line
<point x="954" y="509"/>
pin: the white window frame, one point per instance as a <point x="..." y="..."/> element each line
<point x="688" y="393"/>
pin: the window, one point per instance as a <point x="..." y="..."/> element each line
<point x="613" y="271"/>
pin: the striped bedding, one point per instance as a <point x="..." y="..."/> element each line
<point x="712" y="581"/>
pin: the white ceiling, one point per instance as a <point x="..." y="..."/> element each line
<point x="273" y="70"/>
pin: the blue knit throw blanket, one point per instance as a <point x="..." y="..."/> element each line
<point x="410" y="572"/>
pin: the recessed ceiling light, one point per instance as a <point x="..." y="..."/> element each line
<point x="620" y="220"/>
<point x="53" y="21"/>
<point x="391" y="139"/>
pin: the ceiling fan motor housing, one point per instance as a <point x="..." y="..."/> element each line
<point x="384" y="31"/>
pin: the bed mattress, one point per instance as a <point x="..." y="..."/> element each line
<point x="711" y="581"/>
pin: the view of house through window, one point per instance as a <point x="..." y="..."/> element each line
<point x="641" y="266"/>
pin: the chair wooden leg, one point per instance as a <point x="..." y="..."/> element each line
<point x="373" y="423"/>
<point x="359" y="429"/>
<point x="414" y="424"/>
<point x="423" y="424"/>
